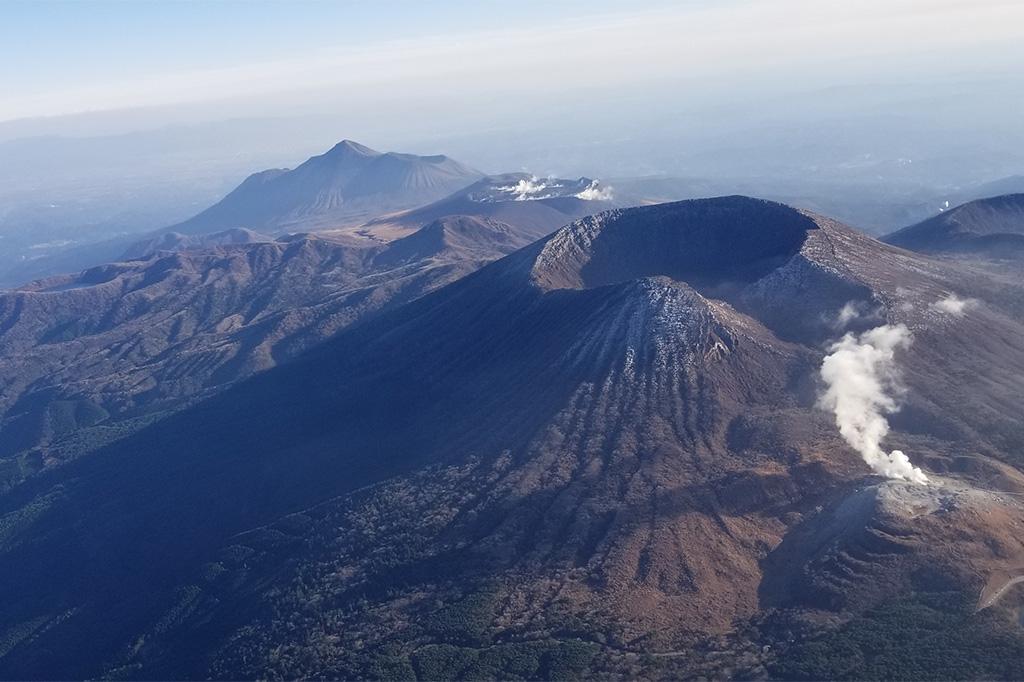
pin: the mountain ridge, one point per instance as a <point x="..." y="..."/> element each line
<point x="989" y="227"/>
<point x="123" y="340"/>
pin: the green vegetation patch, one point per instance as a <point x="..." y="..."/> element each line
<point x="465" y="621"/>
<point x="921" y="636"/>
<point x="544" y="660"/>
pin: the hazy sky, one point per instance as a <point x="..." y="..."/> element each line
<point x="67" y="57"/>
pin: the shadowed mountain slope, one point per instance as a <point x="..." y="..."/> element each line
<point x="598" y="454"/>
<point x="81" y="354"/>
<point x="464" y="236"/>
<point x="991" y="227"/>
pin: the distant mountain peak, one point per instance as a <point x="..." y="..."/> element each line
<point x="993" y="226"/>
<point x="345" y="186"/>
<point x="350" y="147"/>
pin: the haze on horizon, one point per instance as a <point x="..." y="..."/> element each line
<point x="140" y="65"/>
<point x="123" y="117"/>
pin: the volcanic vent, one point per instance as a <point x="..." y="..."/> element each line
<point x="709" y="243"/>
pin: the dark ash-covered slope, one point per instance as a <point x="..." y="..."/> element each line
<point x="599" y="454"/>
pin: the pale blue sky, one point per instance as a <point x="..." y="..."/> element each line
<point x="47" y="44"/>
<point x="63" y="57"/>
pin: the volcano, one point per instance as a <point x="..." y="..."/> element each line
<point x="346" y="185"/>
<point x="599" y="454"/>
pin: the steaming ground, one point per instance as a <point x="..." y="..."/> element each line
<point x="945" y="499"/>
<point x="880" y="535"/>
<point x="942" y="495"/>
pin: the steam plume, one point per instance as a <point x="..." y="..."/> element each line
<point x="530" y="188"/>
<point x="862" y="381"/>
<point x="594" y="192"/>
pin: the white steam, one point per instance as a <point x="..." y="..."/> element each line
<point x="954" y="305"/>
<point x="594" y="192"/>
<point x="533" y="188"/>
<point x="862" y="384"/>
<point x="524" y="190"/>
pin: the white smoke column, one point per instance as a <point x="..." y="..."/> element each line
<point x="862" y="379"/>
